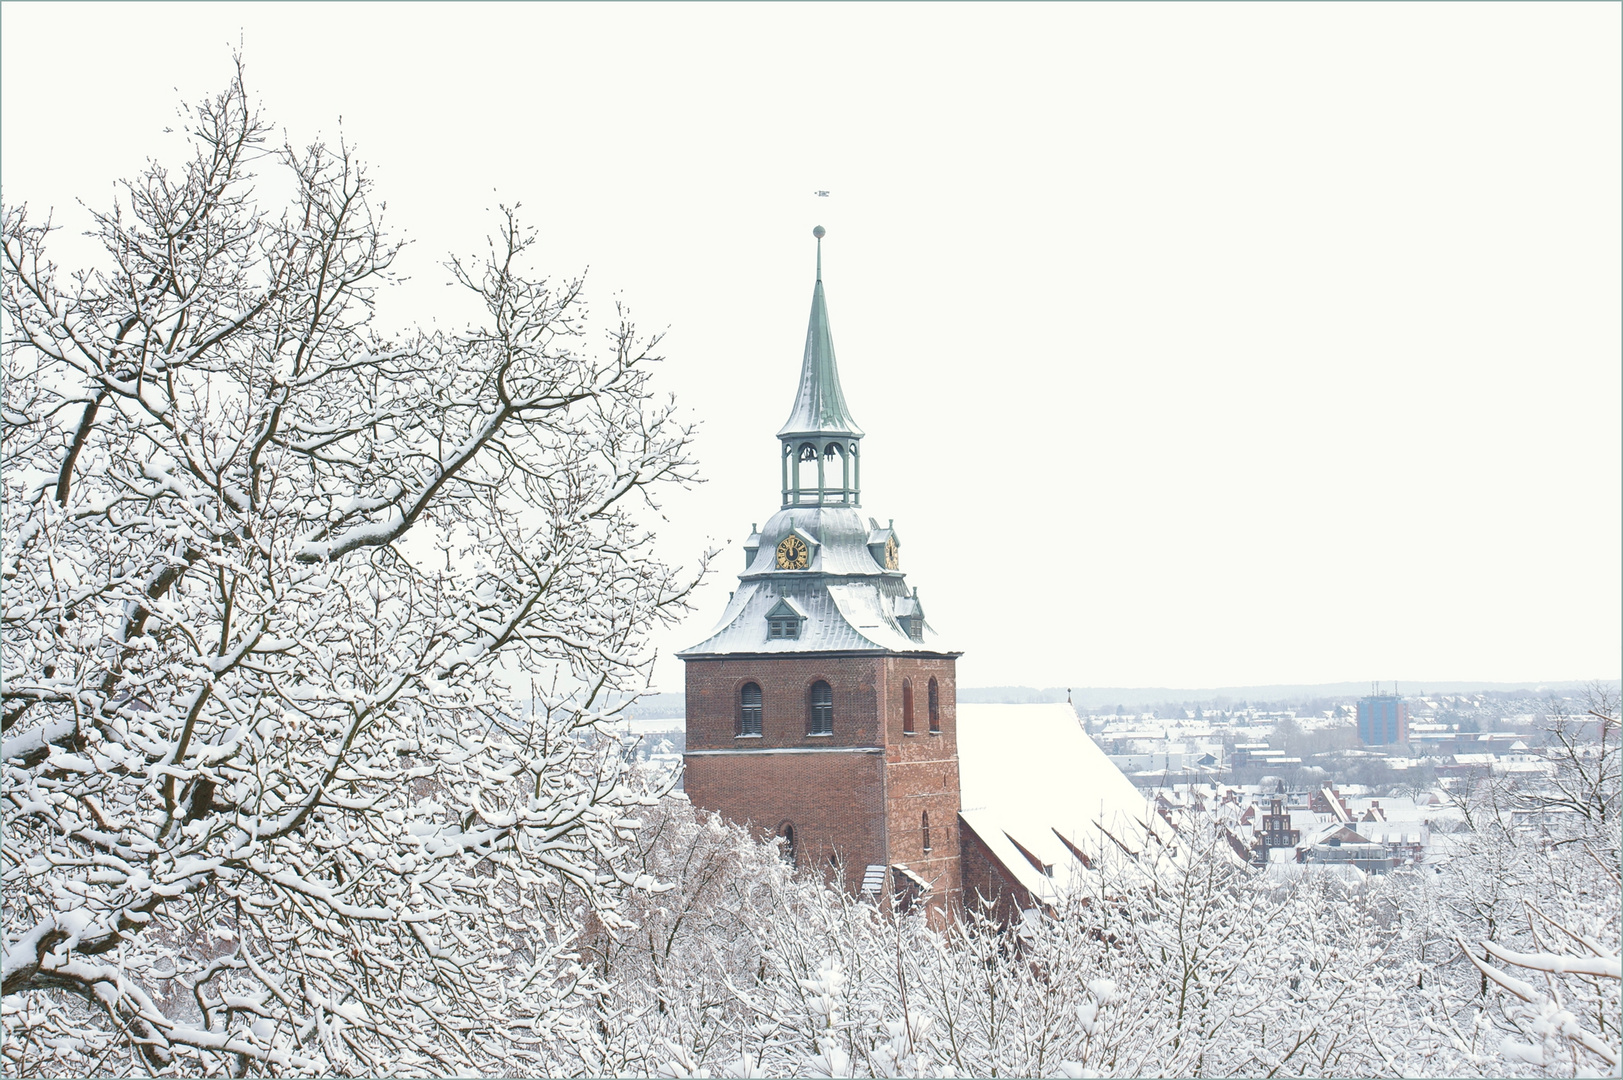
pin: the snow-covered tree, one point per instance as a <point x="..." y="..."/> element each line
<point x="1182" y="961"/>
<point x="1586" y="760"/>
<point x="269" y="572"/>
<point x="1558" y="1012"/>
<point x="1517" y="936"/>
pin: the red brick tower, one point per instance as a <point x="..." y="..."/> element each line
<point x="822" y="709"/>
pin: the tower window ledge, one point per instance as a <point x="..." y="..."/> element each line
<point x="910" y="734"/>
<point x="748" y="735"/>
<point x="819" y="734"/>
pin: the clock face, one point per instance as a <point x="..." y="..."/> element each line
<point x="792" y="553"/>
<point x="892" y="561"/>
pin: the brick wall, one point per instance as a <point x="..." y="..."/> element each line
<point x="986" y="884"/>
<point x="861" y="807"/>
<point x="923" y="775"/>
<point x="785" y="682"/>
<point x="835" y="802"/>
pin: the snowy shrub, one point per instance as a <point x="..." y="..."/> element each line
<point x="1181" y="960"/>
<point x="1171" y="964"/>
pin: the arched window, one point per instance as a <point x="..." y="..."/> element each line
<point x="836" y="475"/>
<point x="907" y="706"/>
<point x="822" y="709"/>
<point x="925" y="826"/>
<point x="787" y="831"/>
<point x="935" y="707"/>
<point x="749" y="709"/>
<point x="808" y="472"/>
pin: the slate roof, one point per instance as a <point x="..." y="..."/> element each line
<point x="849" y="601"/>
<point x="836" y="535"/>
<point x="840" y="617"/>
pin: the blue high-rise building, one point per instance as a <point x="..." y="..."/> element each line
<point x="1383" y="719"/>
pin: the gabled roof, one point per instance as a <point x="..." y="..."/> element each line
<point x="1339" y="832"/>
<point x="878" y="538"/>
<point x="909" y="606"/>
<point x="786" y="608"/>
<point x="807" y="537"/>
<point x="1032" y="781"/>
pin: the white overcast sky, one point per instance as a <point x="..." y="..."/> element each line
<point x="1197" y="345"/>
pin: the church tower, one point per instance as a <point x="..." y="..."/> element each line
<point x="822" y="708"/>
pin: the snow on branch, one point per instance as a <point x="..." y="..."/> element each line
<point x="267" y="799"/>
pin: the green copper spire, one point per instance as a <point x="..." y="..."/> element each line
<point x="819" y="403"/>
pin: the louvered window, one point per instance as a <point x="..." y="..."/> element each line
<point x="822" y="708"/>
<point x="925" y="825"/>
<point x="935" y="707"/>
<point x="907" y="706"/>
<point x="749" y="710"/>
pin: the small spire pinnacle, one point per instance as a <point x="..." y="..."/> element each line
<point x="819" y="232"/>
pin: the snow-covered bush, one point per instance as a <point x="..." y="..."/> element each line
<point x="265" y="798"/>
<point x="1173" y="958"/>
<point x="1182" y="961"/>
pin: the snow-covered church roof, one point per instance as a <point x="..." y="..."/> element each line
<point x="1031" y="778"/>
<point x="849" y="601"/>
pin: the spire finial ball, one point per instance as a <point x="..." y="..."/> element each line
<point x="819" y="232"/>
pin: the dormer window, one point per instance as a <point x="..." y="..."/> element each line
<point x="910" y="616"/>
<point x="883" y="545"/>
<point x="784" y="621"/>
